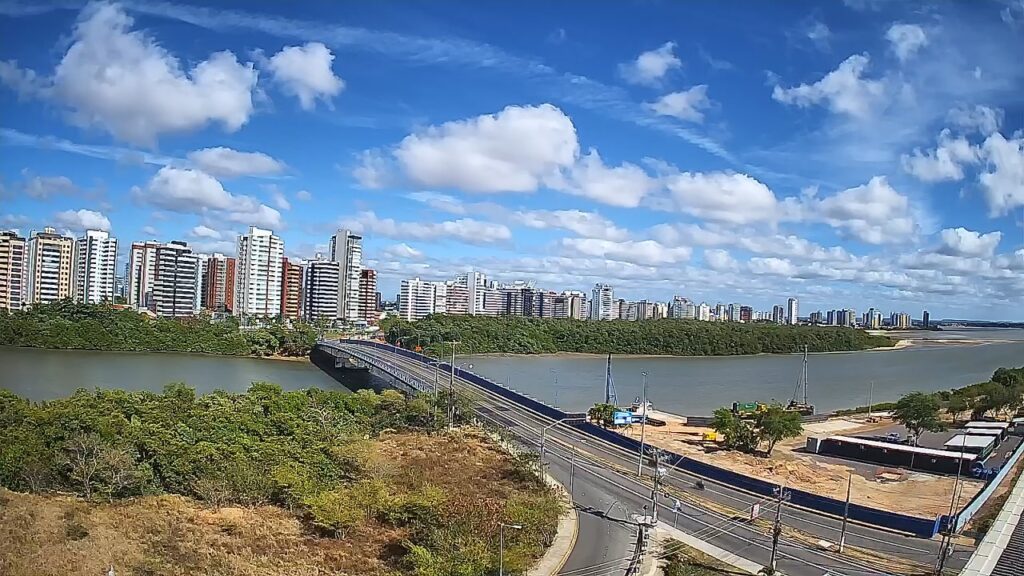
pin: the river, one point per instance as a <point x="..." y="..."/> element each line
<point x="699" y="385"/>
<point x="47" y="374"/>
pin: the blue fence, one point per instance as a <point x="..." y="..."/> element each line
<point x="923" y="527"/>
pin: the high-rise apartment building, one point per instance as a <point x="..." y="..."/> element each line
<point x="734" y="312"/>
<point x="219" y="284"/>
<point x="704" y="312"/>
<point x="50" y="267"/>
<point x="320" y="290"/>
<point x="570" y="304"/>
<point x="141" y="268"/>
<point x="347" y="250"/>
<point x="778" y="314"/>
<point x="95" y="260"/>
<point x="476" y="285"/>
<point x="746" y="314"/>
<point x="368" y="296"/>
<point x="457" y="300"/>
<point x="493" y="301"/>
<point x="258" y="273"/>
<point x="660" y="310"/>
<point x="926" y="320"/>
<point x="417" y="299"/>
<point x="602" y="303"/>
<point x="291" y="290"/>
<point x="899" y="320"/>
<point x="872" y="319"/>
<point x="792" y="311"/>
<point x="175" y="289"/>
<point x="12" y="271"/>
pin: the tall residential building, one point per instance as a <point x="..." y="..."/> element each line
<point x="704" y="312"/>
<point x="570" y="304"/>
<point x="734" y="312"/>
<point x="219" y="284"/>
<point x="320" y="290"/>
<point x="660" y="310"/>
<point x="141" y="267"/>
<point x="95" y="262"/>
<point x="49" y="267"/>
<point x="493" y="301"/>
<point x="644" y="310"/>
<point x="792" y="312"/>
<point x="872" y="319"/>
<point x="815" y="317"/>
<point x="778" y="314"/>
<point x="746" y="314"/>
<point x="291" y="290"/>
<point x="602" y="302"/>
<point x="925" y="320"/>
<point x="12" y="271"/>
<point x="175" y="289"/>
<point x="368" y="296"/>
<point x="899" y="320"/>
<point x="416" y="300"/>
<point x="347" y="250"/>
<point x="258" y="273"/>
<point x="458" y="300"/>
<point x="201" y="273"/>
<point x="476" y="284"/>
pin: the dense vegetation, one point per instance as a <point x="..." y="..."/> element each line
<point x="100" y="327"/>
<point x="766" y="427"/>
<point x="517" y="335"/>
<point x="320" y="454"/>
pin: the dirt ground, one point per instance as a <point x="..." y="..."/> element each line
<point x="57" y="535"/>
<point x="916" y="493"/>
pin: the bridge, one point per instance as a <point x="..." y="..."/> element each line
<point x="610" y="496"/>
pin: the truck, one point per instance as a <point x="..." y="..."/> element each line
<point x="748" y="409"/>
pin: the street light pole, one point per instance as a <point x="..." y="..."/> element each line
<point x="451" y="389"/>
<point x="543" y="438"/>
<point x="501" y="544"/>
<point x="846" y="514"/>
<point x="643" y="429"/>
<point x="947" y="539"/>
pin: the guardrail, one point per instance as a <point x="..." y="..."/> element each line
<point x="922" y="527"/>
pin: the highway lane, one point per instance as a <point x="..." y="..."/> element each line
<point x="752" y="541"/>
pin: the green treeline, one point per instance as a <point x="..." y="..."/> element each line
<point x="69" y="325"/>
<point x="517" y="335"/>
<point x="316" y="453"/>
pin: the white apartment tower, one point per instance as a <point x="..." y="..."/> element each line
<point x="476" y="282"/>
<point x="347" y="250"/>
<point x="320" y="290"/>
<point x="791" y="311"/>
<point x="49" y="267"/>
<point x="95" y="261"/>
<point x="12" y="271"/>
<point x="175" y="281"/>
<point x="417" y="299"/>
<point x="258" y="273"/>
<point x="602" y="303"/>
<point x="141" y="268"/>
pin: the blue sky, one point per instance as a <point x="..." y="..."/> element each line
<point x="852" y="154"/>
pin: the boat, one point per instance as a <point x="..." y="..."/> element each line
<point x="796" y="403"/>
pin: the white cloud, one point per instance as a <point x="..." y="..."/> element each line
<point x="874" y="212"/>
<point x="123" y="81"/>
<point x="203" y="231"/>
<point x="686" y="104"/>
<point x="303" y="196"/>
<point x="402" y="251"/>
<point x="465" y="230"/>
<point x="280" y="200"/>
<point x="719" y="260"/>
<point x="977" y="119"/>
<point x="305" y="72"/>
<point x="515" y="150"/>
<point x="818" y="33"/>
<point x="650" y="67"/>
<point x="255" y="215"/>
<point x="1003" y="181"/>
<point x="690" y="234"/>
<point x="844" y="90"/>
<point x="643" y="252"/>
<point x="772" y="266"/>
<point x="945" y="162"/>
<point x="227" y="163"/>
<point x="150" y="231"/>
<point x="906" y="40"/>
<point x="372" y="170"/>
<point x="195" y="192"/>
<point x="722" y="196"/>
<point x="81" y="220"/>
<point x="442" y="202"/>
<point x="586" y="224"/>
<point x="624" y="186"/>
<point x="43" y="187"/>
<point x="963" y="242"/>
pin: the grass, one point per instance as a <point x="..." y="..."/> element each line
<point x="683" y="560"/>
<point x="57" y="534"/>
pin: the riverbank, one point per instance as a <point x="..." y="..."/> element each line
<point x="899" y="345"/>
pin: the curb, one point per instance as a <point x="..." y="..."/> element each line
<point x="554" y="559"/>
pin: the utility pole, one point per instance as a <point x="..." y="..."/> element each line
<point x="572" y="473"/>
<point x="954" y="500"/>
<point x="777" y="531"/>
<point x="657" y="476"/>
<point x="871" y="392"/>
<point x="846" y="514"/>
<point x="451" y="389"/>
<point x="643" y="428"/>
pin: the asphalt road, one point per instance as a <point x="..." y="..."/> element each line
<point x="602" y="480"/>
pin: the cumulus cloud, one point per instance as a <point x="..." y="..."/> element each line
<point x="719" y="260"/>
<point x="963" y="242"/>
<point x="686" y="105"/>
<point x="279" y="199"/>
<point x="1003" y="180"/>
<point x="818" y="33"/>
<point x="203" y="231"/>
<point x="650" y="67"/>
<point x="643" y="252"/>
<point x="190" y="191"/>
<point x="227" y="163"/>
<point x="978" y="118"/>
<point x="122" y="81"/>
<point x="874" y="213"/>
<point x="906" y="40"/>
<point x="946" y="162"/>
<point x="466" y="230"/>
<point x="81" y="220"/>
<point x="772" y="266"/>
<point x="844" y="90"/>
<point x="303" y="196"/>
<point x="722" y="196"/>
<point x="624" y="185"/>
<point x="150" y="231"/>
<point x="586" y="224"/>
<point x="402" y="251"/>
<point x="44" y="187"/>
<point x="305" y="72"/>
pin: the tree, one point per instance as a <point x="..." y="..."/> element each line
<point x="603" y="414"/>
<point x="82" y="457"/>
<point x="776" y="423"/>
<point x="737" y="434"/>
<point x="958" y="404"/>
<point x="918" y="412"/>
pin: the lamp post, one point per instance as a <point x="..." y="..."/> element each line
<point x="543" y="437"/>
<point x="451" y="388"/>
<point x="501" y="544"/>
<point x="643" y="427"/>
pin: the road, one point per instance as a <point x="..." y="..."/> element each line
<point x="605" y="477"/>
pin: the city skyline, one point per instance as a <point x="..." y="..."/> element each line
<point x="868" y="158"/>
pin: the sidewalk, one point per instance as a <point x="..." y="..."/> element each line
<point x="568" y="526"/>
<point x="663" y="531"/>
<point x="993" y="545"/>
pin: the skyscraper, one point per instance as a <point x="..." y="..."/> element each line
<point x="49" y="267"/>
<point x="320" y="290"/>
<point x="925" y="320"/>
<point x="417" y="299"/>
<point x="476" y="284"/>
<point x="175" y="289"/>
<point x="368" y="296"/>
<point x="792" y="313"/>
<point x="12" y="271"/>
<point x="291" y="289"/>
<point x="219" y="284"/>
<point x="347" y="250"/>
<point x="778" y="314"/>
<point x="95" y="261"/>
<point x="141" y="267"/>
<point x="602" y="303"/>
<point x="258" y="274"/>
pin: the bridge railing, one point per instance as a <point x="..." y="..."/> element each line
<point x="923" y="527"/>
